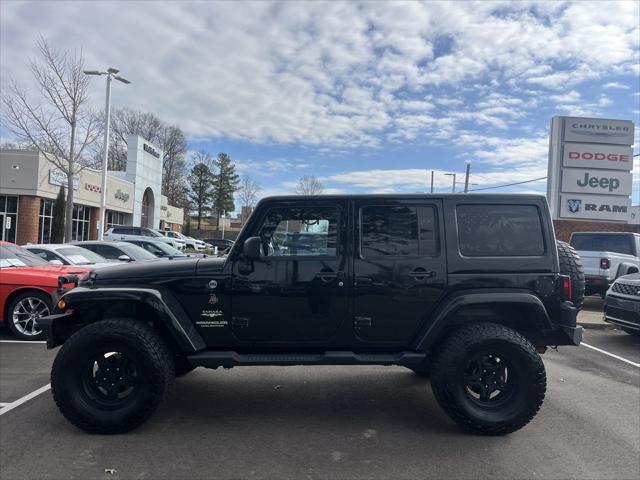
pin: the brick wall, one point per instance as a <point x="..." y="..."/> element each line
<point x="28" y="219"/>
<point x="564" y="228"/>
<point x="94" y="218"/>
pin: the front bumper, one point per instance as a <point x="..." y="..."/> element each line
<point x="623" y="311"/>
<point x="56" y="327"/>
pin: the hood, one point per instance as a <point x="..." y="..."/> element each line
<point x="631" y="279"/>
<point x="141" y="271"/>
<point x="46" y="275"/>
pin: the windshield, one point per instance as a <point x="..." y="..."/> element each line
<point x="603" y="243"/>
<point x="137" y="253"/>
<point x="81" y="256"/>
<point x="14" y="256"/>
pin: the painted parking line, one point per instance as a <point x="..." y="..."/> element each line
<point x="613" y="355"/>
<point x="23" y="341"/>
<point x="7" y="407"/>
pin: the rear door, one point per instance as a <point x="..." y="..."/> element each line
<point x="399" y="267"/>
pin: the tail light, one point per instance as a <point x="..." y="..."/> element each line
<point x="566" y="288"/>
<point x="605" y="263"/>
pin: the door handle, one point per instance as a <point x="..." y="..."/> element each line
<point x="328" y="277"/>
<point x="420" y="274"/>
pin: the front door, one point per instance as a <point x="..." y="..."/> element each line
<point x="297" y="292"/>
<point x="399" y="268"/>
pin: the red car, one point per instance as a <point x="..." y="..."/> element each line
<point x="26" y="284"/>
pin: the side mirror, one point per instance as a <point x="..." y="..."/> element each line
<point x="55" y="262"/>
<point x="124" y="258"/>
<point x="252" y="248"/>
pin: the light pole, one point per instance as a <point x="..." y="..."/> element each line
<point x="111" y="74"/>
<point x="453" y="189"/>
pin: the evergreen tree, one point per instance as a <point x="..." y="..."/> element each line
<point x="201" y="181"/>
<point x="226" y="183"/>
<point x="57" y="223"/>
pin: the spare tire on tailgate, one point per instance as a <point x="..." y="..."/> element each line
<point x="571" y="266"/>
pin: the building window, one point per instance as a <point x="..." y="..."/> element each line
<point x="81" y="222"/>
<point x="46" y="219"/>
<point x="8" y="218"/>
<point x="115" y="219"/>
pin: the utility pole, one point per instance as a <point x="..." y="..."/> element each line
<point x="466" y="178"/>
<point x="431" y="181"/>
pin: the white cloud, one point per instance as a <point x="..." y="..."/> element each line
<point x="616" y="85"/>
<point x="329" y="73"/>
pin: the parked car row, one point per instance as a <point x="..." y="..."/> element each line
<point x="30" y="274"/>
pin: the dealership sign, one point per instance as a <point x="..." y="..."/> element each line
<point x="598" y="130"/>
<point x="594" y="207"/>
<point x="587" y="155"/>
<point x="590" y="164"/>
<point x="58" y="177"/>
<point x="596" y="181"/>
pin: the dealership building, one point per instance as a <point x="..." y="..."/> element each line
<point x="29" y="185"/>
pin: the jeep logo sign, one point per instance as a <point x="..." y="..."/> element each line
<point x="585" y="155"/>
<point x="596" y="181"/>
<point x="593" y="207"/>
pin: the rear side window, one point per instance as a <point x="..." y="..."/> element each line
<point x="603" y="243"/>
<point x="398" y="231"/>
<point x="499" y="230"/>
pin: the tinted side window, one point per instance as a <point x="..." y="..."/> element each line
<point x="120" y="230"/>
<point x="499" y="230"/>
<point x="107" y="251"/>
<point x="300" y="231"/>
<point x="388" y="230"/>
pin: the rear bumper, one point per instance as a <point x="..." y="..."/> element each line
<point x="622" y="311"/>
<point x="596" y="284"/>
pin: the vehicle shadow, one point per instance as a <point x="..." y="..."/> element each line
<point x="307" y="396"/>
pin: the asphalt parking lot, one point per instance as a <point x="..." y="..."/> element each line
<point x="331" y="422"/>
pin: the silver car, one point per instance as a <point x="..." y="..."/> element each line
<point x="65" y="254"/>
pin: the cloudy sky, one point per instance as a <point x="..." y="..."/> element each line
<point x="366" y="96"/>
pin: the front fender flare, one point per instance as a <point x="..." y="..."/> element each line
<point x="452" y="304"/>
<point x="167" y="309"/>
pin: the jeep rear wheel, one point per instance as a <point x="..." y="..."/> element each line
<point x="489" y="379"/>
<point x="110" y="376"/>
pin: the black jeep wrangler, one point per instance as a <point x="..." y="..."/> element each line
<point x="466" y="289"/>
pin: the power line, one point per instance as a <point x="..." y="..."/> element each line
<point x="509" y="184"/>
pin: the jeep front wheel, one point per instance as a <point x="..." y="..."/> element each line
<point x="489" y="379"/>
<point x="110" y="376"/>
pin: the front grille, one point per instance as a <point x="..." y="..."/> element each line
<point x="626" y="288"/>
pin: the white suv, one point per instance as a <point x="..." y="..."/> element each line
<point x="124" y="233"/>
<point x="189" y="242"/>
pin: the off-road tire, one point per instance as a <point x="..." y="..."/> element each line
<point x="448" y="385"/>
<point x="571" y="265"/>
<point x="146" y="350"/>
<point x="39" y="296"/>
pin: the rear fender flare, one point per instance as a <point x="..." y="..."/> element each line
<point x="446" y="313"/>
<point x="166" y="308"/>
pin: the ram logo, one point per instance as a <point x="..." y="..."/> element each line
<point x="574" y="205"/>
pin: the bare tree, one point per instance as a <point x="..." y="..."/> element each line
<point x="61" y="123"/>
<point x="309" y="185"/>
<point x="248" y="196"/>
<point x="200" y="156"/>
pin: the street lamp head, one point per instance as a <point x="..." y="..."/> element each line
<point x="113" y="70"/>
<point x="93" y="72"/>
<point x="122" y="79"/>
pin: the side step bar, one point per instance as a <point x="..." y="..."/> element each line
<point x="228" y="359"/>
